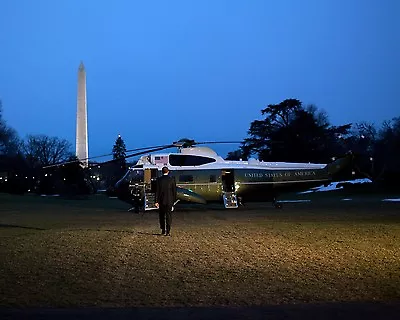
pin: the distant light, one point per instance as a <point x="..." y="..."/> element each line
<point x="333" y="158"/>
<point x="16" y="175"/>
<point x="370" y="159"/>
<point x="29" y="190"/>
<point x="65" y="179"/>
<point x="98" y="178"/>
<point x="26" y="177"/>
<point x="5" y="179"/>
<point x="362" y="136"/>
<point x="353" y="173"/>
<point x="45" y="175"/>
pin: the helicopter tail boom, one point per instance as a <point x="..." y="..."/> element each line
<point x="339" y="164"/>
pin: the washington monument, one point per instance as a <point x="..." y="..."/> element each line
<point x="81" y="118"/>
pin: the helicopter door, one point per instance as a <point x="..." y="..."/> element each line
<point x="150" y="186"/>
<point x="228" y="188"/>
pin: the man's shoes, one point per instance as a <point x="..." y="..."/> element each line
<point x="168" y="234"/>
<point x="163" y="231"/>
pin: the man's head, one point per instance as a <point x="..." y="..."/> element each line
<point x="164" y="170"/>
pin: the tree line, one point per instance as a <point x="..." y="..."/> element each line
<point x="22" y="162"/>
<point x="292" y="132"/>
<point x="287" y="131"/>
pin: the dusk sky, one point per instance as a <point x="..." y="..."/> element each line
<point x="158" y="71"/>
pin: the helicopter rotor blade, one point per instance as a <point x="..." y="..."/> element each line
<point x="159" y="148"/>
<point x="145" y="149"/>
<point x="191" y="143"/>
<point x="177" y="144"/>
<point x="142" y="150"/>
<point x="153" y="149"/>
<point x="61" y="164"/>
<point x="218" y="142"/>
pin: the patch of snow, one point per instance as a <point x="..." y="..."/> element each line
<point x="346" y="199"/>
<point x="334" y="185"/>
<point x="49" y="195"/>
<point x="392" y="200"/>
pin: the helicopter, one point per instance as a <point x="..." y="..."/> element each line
<point x="202" y="177"/>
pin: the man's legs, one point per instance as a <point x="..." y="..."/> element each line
<point x="168" y="216"/>
<point x="161" y="215"/>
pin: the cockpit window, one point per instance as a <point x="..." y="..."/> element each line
<point x="188" y="160"/>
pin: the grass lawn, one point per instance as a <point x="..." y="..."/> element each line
<point x="92" y="252"/>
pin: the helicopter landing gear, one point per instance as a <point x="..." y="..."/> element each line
<point x="276" y="204"/>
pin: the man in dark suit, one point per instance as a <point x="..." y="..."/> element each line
<point x="165" y="199"/>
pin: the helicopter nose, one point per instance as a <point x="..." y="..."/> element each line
<point x="118" y="184"/>
<point x="121" y="189"/>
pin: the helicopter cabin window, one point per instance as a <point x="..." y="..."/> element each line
<point x="188" y="160"/>
<point x="185" y="178"/>
<point x="161" y="159"/>
<point x="213" y="178"/>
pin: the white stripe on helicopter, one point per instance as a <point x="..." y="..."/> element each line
<point x="220" y="163"/>
<point x="240" y="183"/>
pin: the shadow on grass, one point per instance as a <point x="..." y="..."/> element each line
<point x="150" y="233"/>
<point x="20" y="227"/>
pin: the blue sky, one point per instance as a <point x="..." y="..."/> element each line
<point x="158" y="71"/>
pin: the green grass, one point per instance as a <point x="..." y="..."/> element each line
<point x="64" y="253"/>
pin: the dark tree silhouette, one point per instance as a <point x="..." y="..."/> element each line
<point x="117" y="168"/>
<point x="119" y="154"/>
<point x="76" y="178"/>
<point x="9" y="141"/>
<point x="236" y="155"/>
<point x="42" y="150"/>
<point x="119" y="148"/>
<point x="386" y="158"/>
<point x="267" y="132"/>
<point x="290" y="132"/>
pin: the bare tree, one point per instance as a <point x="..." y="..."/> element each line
<point x="42" y="150"/>
<point x="9" y="141"/>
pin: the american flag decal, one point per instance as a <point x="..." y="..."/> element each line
<point x="161" y="159"/>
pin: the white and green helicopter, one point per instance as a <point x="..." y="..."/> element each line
<point x="202" y="176"/>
